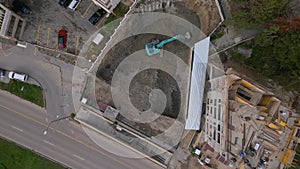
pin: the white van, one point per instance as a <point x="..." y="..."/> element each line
<point x="73" y="5"/>
<point x="18" y="76"/>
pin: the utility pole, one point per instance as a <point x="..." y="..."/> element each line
<point x="46" y="131"/>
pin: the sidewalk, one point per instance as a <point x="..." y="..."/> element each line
<point x="88" y="118"/>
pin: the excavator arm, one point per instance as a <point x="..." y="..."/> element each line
<point x="162" y="43"/>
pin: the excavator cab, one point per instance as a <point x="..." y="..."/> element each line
<point x="151" y="47"/>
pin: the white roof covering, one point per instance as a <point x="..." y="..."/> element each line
<point x="197" y="83"/>
<point x="98" y="38"/>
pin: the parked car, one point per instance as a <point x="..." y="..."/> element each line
<point x="62" y="39"/>
<point x="18" y="76"/>
<point x="73" y="5"/>
<point x="2" y="73"/>
<point x="97" y="16"/>
<point x="20" y="6"/>
<point x="64" y="3"/>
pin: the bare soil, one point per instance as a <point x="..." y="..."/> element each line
<point x="204" y="15"/>
<point x="207" y="12"/>
<point x="144" y="82"/>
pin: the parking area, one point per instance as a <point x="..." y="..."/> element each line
<point x="47" y="17"/>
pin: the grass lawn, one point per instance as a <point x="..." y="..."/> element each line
<point x="26" y="91"/>
<point x="120" y="10"/>
<point x="15" y="157"/>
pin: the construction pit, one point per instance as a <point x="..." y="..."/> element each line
<point x="134" y="34"/>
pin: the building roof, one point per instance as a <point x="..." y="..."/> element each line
<point x="199" y="65"/>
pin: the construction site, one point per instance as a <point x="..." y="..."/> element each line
<point x="143" y="83"/>
<point x="151" y="36"/>
<point x="246" y="126"/>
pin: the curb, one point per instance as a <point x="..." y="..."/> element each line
<point x="117" y="141"/>
<point x="33" y="151"/>
<point x="23" y="100"/>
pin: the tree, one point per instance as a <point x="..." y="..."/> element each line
<point x="286" y="24"/>
<point x="277" y="56"/>
<point x="258" y="12"/>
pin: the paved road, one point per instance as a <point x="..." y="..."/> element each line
<point x="24" y="61"/>
<point x="24" y="123"/>
<point x="65" y="141"/>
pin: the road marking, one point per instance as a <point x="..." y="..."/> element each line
<point x="45" y="141"/>
<point x="80" y="3"/>
<point x="87" y="10"/>
<point x="49" y="29"/>
<point x="17" y="128"/>
<point x="35" y="51"/>
<point x="38" y="34"/>
<point x="6" y="54"/>
<point x="77" y="42"/>
<point x="70" y="137"/>
<point x="100" y="22"/>
<point x="78" y="157"/>
<point x="56" y="43"/>
<point x="67" y="42"/>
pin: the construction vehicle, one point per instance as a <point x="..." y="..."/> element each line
<point x="153" y="47"/>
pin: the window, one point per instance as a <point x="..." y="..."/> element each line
<point x="219" y="139"/>
<point x="214" y="135"/>
<point x="11" y="26"/>
<point x="215" y="112"/>
<point x="207" y="128"/>
<point x="19" y="28"/>
<point x="219" y="127"/>
<point x="215" y="102"/>
<point x="219" y="112"/>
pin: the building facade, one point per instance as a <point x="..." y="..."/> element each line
<point x="11" y="25"/>
<point x="107" y="5"/>
<point x="246" y="125"/>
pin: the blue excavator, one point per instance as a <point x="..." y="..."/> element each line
<point x="153" y="47"/>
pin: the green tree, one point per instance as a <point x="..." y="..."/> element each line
<point x="267" y="36"/>
<point x="277" y="56"/>
<point x="259" y="12"/>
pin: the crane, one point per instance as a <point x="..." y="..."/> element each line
<point x="153" y="47"/>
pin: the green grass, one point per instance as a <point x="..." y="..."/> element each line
<point x="25" y="91"/>
<point x="216" y="35"/>
<point x="119" y="12"/>
<point x="15" y="157"/>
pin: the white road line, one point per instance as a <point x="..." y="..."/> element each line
<point x="48" y="142"/>
<point x="78" y="157"/>
<point x="17" y="128"/>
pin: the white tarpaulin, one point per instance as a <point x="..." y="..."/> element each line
<point x="197" y="82"/>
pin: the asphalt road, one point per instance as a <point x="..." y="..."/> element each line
<point x="24" y="61"/>
<point x="65" y="142"/>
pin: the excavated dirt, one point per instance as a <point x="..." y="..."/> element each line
<point x="203" y="15"/>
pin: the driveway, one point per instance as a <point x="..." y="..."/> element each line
<point x="48" y="75"/>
